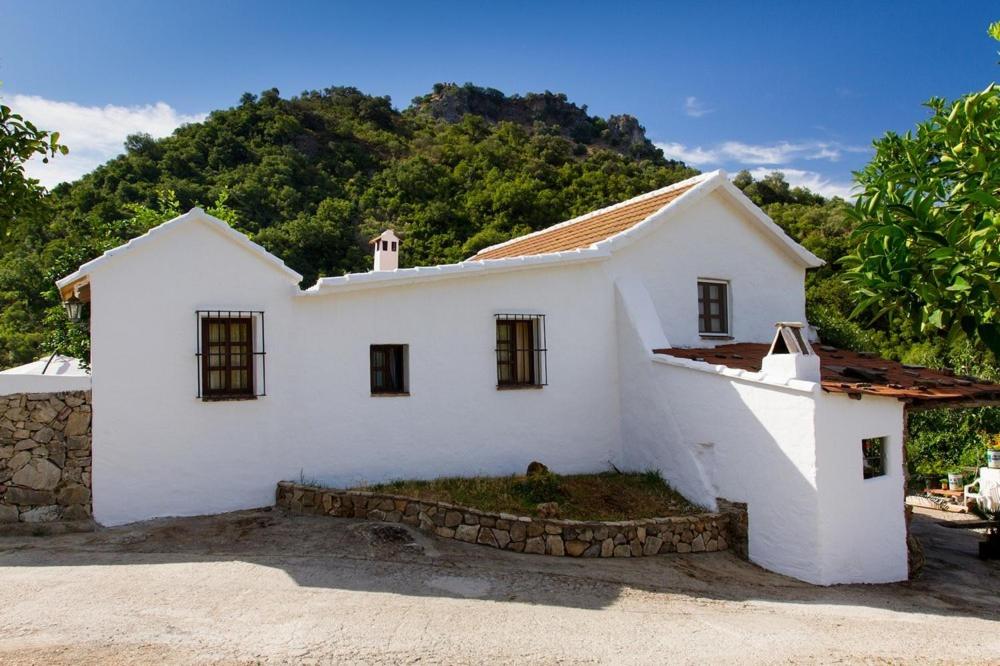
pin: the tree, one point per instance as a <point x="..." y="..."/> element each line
<point x="928" y="238"/>
<point x="20" y="140"/>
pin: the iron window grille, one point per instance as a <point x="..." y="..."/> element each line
<point x="713" y="307"/>
<point x="522" y="357"/>
<point x="873" y="453"/>
<point x="230" y="354"/>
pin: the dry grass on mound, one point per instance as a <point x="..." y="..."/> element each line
<point x="607" y="496"/>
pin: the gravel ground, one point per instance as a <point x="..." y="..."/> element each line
<point x="260" y="586"/>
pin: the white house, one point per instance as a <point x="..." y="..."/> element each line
<point x="215" y="376"/>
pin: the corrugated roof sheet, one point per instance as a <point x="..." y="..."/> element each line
<point x="860" y="373"/>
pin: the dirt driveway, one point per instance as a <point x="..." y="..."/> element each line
<point x="260" y="586"/>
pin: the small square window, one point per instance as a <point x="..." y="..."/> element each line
<point x="873" y="456"/>
<point x="389" y="369"/>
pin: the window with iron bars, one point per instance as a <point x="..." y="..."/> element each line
<point x="230" y="354"/>
<point x="521" y="353"/>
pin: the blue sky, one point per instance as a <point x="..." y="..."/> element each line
<point x="798" y="86"/>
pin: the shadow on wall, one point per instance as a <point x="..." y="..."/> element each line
<point x="345" y="554"/>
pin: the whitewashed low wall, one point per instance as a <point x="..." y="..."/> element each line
<point x="12" y="384"/>
<point x="791" y="453"/>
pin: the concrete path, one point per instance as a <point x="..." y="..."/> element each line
<point x="259" y="586"/>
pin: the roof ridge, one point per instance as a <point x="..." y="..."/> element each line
<point x="687" y="182"/>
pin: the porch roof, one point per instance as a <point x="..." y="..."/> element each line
<point x="862" y="373"/>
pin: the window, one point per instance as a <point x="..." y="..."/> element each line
<point x="388" y="369"/>
<point x="521" y="353"/>
<point x="873" y="454"/>
<point x="228" y="359"/>
<point x="713" y="307"/>
<point x="230" y="354"/>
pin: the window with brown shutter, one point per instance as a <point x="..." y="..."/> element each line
<point x="230" y="354"/>
<point x="713" y="308"/>
<point x="227" y="357"/>
<point x="521" y="352"/>
<point x="388" y="369"/>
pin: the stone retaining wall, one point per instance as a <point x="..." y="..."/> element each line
<point x="705" y="532"/>
<point x="45" y="457"/>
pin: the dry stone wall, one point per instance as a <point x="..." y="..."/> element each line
<point x="45" y="458"/>
<point x="707" y="532"/>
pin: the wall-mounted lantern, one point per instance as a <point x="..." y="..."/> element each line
<point x="74" y="309"/>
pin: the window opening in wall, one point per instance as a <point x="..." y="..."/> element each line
<point x="873" y="455"/>
<point x="389" y="369"/>
<point x="713" y="307"/>
<point x="521" y="353"/>
<point x="230" y="354"/>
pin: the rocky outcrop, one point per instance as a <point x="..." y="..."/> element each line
<point x="703" y="533"/>
<point x="545" y="112"/>
<point x="45" y="461"/>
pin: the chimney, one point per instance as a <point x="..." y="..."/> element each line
<point x="386" y="251"/>
<point x="791" y="356"/>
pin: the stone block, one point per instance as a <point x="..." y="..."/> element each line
<point x="554" y="545"/>
<point x="593" y="550"/>
<point x="683" y="547"/>
<point x="535" y="529"/>
<point x="446" y="532"/>
<point x="486" y="537"/>
<point x="37" y="474"/>
<point x="19" y="460"/>
<point x="698" y="544"/>
<point x="518" y="531"/>
<point x="467" y="533"/>
<point x="76" y="512"/>
<point x="576" y="548"/>
<point x="78" y="443"/>
<point x="553" y="529"/>
<point x="502" y="537"/>
<point x="607" y="548"/>
<point x="652" y="545"/>
<point x="73" y="493"/>
<point x="8" y="514"/>
<point x="44" y="435"/>
<point x="77" y="424"/>
<point x="535" y="545"/>
<point x="452" y="519"/>
<point x="622" y="551"/>
<point x="42" y="514"/>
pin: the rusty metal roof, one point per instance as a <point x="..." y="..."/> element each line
<point x="862" y="374"/>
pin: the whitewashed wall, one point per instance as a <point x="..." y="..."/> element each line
<point x="714" y="238"/>
<point x="863" y="526"/>
<point x="158" y="450"/>
<point x="792" y="453"/>
<point x="161" y="451"/>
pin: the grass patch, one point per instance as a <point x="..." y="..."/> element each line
<point x="607" y="496"/>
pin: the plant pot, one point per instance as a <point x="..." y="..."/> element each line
<point x="955" y="481"/>
<point x="993" y="458"/>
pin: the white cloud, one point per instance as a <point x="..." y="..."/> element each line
<point x="782" y="152"/>
<point x="811" y="180"/>
<point x="696" y="108"/>
<point x="94" y="134"/>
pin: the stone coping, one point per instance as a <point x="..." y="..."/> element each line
<point x="704" y="532"/>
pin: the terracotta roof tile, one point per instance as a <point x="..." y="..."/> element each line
<point x="861" y="373"/>
<point x="588" y="229"/>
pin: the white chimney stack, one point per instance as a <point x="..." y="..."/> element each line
<point x="791" y="356"/>
<point x="386" y="251"/>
